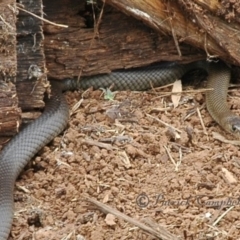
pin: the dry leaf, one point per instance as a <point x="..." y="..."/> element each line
<point x="229" y="176"/>
<point x="110" y="219"/>
<point x="177" y="87"/>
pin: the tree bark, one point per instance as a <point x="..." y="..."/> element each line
<point x="10" y="114"/>
<point x="31" y="74"/>
<point x="19" y="61"/>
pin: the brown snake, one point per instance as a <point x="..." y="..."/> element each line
<point x="52" y="122"/>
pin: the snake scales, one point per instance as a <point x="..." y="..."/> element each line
<point x="52" y="122"/>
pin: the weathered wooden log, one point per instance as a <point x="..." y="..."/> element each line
<point x="117" y="42"/>
<point x="229" y="10"/>
<point x="31" y="74"/>
<point x="188" y="21"/>
<point x="10" y="114"/>
<point x="22" y="73"/>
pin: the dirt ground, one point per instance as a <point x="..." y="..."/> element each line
<point x="123" y="154"/>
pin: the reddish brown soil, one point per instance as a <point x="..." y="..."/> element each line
<point x="49" y="195"/>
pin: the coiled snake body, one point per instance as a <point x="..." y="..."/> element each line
<point x="52" y="122"/>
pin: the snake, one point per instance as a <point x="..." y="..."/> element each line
<point x="24" y="145"/>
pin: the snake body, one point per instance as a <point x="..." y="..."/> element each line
<point x="40" y="132"/>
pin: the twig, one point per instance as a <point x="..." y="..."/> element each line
<point x="171" y="158"/>
<point x="201" y="121"/>
<point x="43" y="19"/>
<point x="173" y="31"/>
<point x="99" y="144"/>
<point x="193" y="111"/>
<point x="165" y="124"/>
<point x="160" y="232"/>
<point x="95" y="32"/>
<point x="209" y="56"/>
<point x="165" y="94"/>
<point x="6" y="23"/>
<point x="221" y="216"/>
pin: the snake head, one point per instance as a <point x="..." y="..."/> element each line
<point x="233" y="125"/>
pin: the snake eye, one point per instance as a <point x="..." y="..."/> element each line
<point x="234" y="128"/>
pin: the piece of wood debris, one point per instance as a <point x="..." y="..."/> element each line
<point x="163" y="123"/>
<point x="98" y="144"/>
<point x="228" y="176"/>
<point x="221" y="138"/>
<point x="159" y="232"/>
